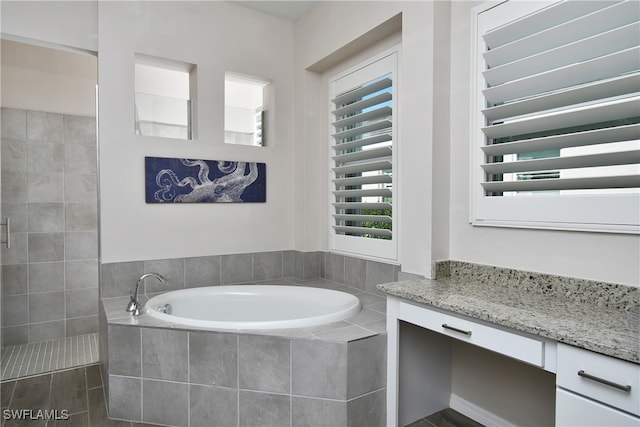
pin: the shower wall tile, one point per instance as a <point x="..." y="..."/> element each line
<point x="267" y="265"/>
<point x="45" y="187"/>
<point x="165" y="354"/>
<point x="125" y="398"/>
<point x="81" y="302"/>
<point x="45" y="217"/>
<point x="81" y="216"/>
<point x="46" y="331"/>
<point x="79" y="130"/>
<point x="264" y="363"/>
<point x="81" y="274"/>
<point x="17" y="211"/>
<point x="15" y="310"/>
<point x="45" y="158"/>
<point x="165" y="402"/>
<point x="310" y="412"/>
<point x="80" y="158"/>
<point x="81" y="245"/>
<point x="18" y="254"/>
<point x="45" y="247"/>
<point x="319" y="369"/>
<point x="202" y="271"/>
<point x="14" y="123"/>
<point x="263" y="409"/>
<point x="14" y="335"/>
<point x="14" y="155"/>
<point x="14" y="186"/>
<point x="236" y="269"/>
<point x="81" y="326"/>
<point x="46" y="276"/>
<point x="14" y="279"/>
<point x="213" y="359"/>
<point x="44" y="127"/>
<point x="46" y="306"/>
<point x="212" y="406"/>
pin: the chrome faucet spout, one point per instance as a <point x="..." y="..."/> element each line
<point x="134" y="304"/>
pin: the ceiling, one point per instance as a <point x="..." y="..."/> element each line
<point x="286" y="9"/>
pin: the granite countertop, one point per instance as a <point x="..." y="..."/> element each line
<point x="600" y="328"/>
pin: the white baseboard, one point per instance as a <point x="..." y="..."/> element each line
<point x="477" y="413"/>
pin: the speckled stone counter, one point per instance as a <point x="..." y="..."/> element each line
<point x="604" y="318"/>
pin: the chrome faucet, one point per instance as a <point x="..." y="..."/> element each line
<point x="134" y="305"/>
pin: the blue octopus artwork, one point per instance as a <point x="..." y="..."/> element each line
<point x="171" y="180"/>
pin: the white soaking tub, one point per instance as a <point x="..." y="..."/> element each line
<point x="253" y="306"/>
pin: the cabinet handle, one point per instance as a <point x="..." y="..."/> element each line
<point x="626" y="388"/>
<point x="454" y="329"/>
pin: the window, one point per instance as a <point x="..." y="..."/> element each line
<point x="163" y="103"/>
<point x="363" y="145"/>
<point x="556" y="134"/>
<point x="246" y="102"/>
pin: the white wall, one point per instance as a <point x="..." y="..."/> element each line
<point x="325" y="39"/>
<point x="598" y="256"/>
<point x="217" y="37"/>
<point x="64" y="23"/>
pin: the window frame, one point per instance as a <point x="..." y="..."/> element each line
<point x="370" y="248"/>
<point x="607" y="213"/>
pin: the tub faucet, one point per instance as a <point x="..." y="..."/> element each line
<point x="134" y="305"/>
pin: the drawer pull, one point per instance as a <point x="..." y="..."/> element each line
<point x="454" y="329"/>
<point x="626" y="388"/>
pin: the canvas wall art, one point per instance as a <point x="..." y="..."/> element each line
<point x="170" y="180"/>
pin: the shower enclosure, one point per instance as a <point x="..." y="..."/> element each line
<point x="48" y="181"/>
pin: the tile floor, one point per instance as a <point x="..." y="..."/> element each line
<point x="76" y="392"/>
<point x="446" y="418"/>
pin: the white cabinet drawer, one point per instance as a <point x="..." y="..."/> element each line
<point x="577" y="411"/>
<point x="510" y="344"/>
<point x="609" y="380"/>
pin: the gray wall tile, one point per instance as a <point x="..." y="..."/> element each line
<point x="165" y="403"/>
<point x="119" y="278"/>
<point x="81" y="216"/>
<point x="79" y="130"/>
<point x="14" y="123"/>
<point x="367" y="361"/>
<point x="14" y="279"/>
<point x="288" y="264"/>
<point x="306" y="412"/>
<point x="45" y="158"/>
<point x="377" y="273"/>
<point x="125" y="398"/>
<point x="355" y="272"/>
<point x="124" y="350"/>
<point x="213" y="406"/>
<point x="213" y="359"/>
<point x="46" y="331"/>
<point x="14" y="186"/>
<point x="312" y="265"/>
<point x="80" y="187"/>
<point x="45" y="217"/>
<point x="46" y="306"/>
<point x="202" y="271"/>
<point x="14" y="335"/>
<point x="81" y="245"/>
<point x="319" y="369"/>
<point x="81" y="274"/>
<point x="15" y="310"/>
<point x="267" y="265"/>
<point x="369" y="410"/>
<point x="264" y="409"/>
<point x="45" y="187"/>
<point x="82" y="326"/>
<point x="236" y="269"/>
<point x="45" y="247"/>
<point x="17" y="211"/>
<point x="18" y="253"/>
<point x="46" y="276"/>
<point x="14" y="155"/>
<point x="80" y="158"/>
<point x="165" y="354"/>
<point x="171" y="269"/>
<point x="264" y="363"/>
<point x="44" y="127"/>
<point x="334" y="268"/>
<point x="81" y="302"/>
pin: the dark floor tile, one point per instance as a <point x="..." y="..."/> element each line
<point x="81" y="419"/>
<point x="69" y="391"/>
<point x="6" y="393"/>
<point x="451" y="418"/>
<point x="98" y="412"/>
<point x="94" y="379"/>
<point x="32" y="393"/>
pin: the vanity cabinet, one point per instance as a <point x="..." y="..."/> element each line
<point x="596" y="390"/>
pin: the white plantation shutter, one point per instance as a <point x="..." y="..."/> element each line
<point x="557" y="111"/>
<point x="362" y="158"/>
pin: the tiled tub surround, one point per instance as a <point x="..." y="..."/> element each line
<point x="326" y="375"/>
<point x="596" y="316"/>
<point x="50" y="273"/>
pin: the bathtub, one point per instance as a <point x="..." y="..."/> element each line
<point x="252" y="306"/>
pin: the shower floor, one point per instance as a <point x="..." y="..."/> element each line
<point x="25" y="360"/>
